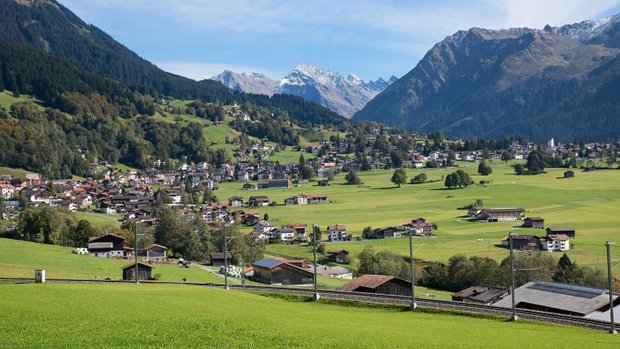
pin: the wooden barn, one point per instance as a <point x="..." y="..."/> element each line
<point x="281" y="273"/>
<point x="534" y="222"/>
<point x="379" y="284"/>
<point x="144" y="271"/>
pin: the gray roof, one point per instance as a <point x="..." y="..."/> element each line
<point x="564" y="298"/>
<point x="267" y="263"/>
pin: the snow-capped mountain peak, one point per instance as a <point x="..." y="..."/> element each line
<point x="344" y="95"/>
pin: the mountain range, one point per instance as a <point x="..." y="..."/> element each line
<point x="561" y="82"/>
<point x="344" y="95"/>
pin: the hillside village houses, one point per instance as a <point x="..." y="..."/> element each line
<point x="131" y="193"/>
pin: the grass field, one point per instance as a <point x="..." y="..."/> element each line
<point x="20" y="258"/>
<point x="125" y="315"/>
<point x="590" y="202"/>
<point x="7" y="100"/>
<point x="15" y="172"/>
<point x="99" y="220"/>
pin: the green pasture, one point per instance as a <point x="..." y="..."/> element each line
<point x="173" y="316"/>
<point x="20" y="258"/>
<point x="590" y="202"/>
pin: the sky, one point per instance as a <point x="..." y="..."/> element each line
<point x="371" y="39"/>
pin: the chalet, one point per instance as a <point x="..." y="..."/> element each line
<point x="300" y="228"/>
<point x="419" y="226"/>
<point x="283" y="234"/>
<point x="218" y="259"/>
<point x="144" y="271"/>
<point x="281" y="273"/>
<point x="386" y="233"/>
<point x="534" y="222"/>
<point x="560" y="298"/>
<point x="500" y="214"/>
<point x="568" y="231"/>
<point x="235" y="201"/>
<point x="156" y="253"/>
<point x="383" y="284"/>
<point x="7" y="190"/>
<point x="263" y="227"/>
<point x="336" y="232"/>
<point x="522" y="242"/>
<point x="297" y="200"/>
<point x="480" y="294"/>
<point x="258" y="201"/>
<point x="275" y="184"/>
<point x="107" y="246"/>
<point x="569" y="174"/>
<point x="107" y="207"/>
<point x="556" y="242"/>
<point x="338" y="256"/>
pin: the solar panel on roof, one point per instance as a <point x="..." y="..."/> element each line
<point x="267" y="263"/>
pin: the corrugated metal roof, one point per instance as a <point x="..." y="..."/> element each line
<point x="554" y="295"/>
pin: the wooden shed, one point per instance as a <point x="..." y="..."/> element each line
<point x="281" y="273"/>
<point x="144" y="271"/>
<point x="379" y="284"/>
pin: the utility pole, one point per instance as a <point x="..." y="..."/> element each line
<point x="136" y="238"/>
<point x="514" y="316"/>
<point x="225" y="258"/>
<point x="612" y="328"/>
<point x="315" y="230"/>
<point x="411" y="269"/>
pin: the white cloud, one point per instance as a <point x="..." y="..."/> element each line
<point x="538" y="13"/>
<point x="206" y="70"/>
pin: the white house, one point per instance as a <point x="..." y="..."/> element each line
<point x="297" y="200"/>
<point x="556" y="242"/>
<point x="263" y="227"/>
<point x="336" y="232"/>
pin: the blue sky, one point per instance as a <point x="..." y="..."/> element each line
<point x="200" y="38"/>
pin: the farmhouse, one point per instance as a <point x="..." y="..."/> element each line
<point x="480" y="294"/>
<point x="568" y="231"/>
<point x="559" y="298"/>
<point x="534" y="222"/>
<point x="379" y="284"/>
<point x="337" y="232"/>
<point x="258" y="201"/>
<point x="338" y="256"/>
<point x="281" y="273"/>
<point x="235" y="201"/>
<point x="144" y="271"/>
<point x="107" y="246"/>
<point x="500" y="214"/>
<point x="276" y="183"/>
<point x="556" y="242"/>
<point x="300" y="228"/>
<point x="156" y="253"/>
<point x="297" y="200"/>
<point x="283" y="234"/>
<point x="523" y="242"/>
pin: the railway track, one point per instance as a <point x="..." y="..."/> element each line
<point x="372" y="298"/>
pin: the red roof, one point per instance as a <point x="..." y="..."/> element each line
<point x="562" y="237"/>
<point x="367" y="281"/>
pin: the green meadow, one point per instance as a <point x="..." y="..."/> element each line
<point x="20" y="258"/>
<point x="173" y="316"/>
<point x="590" y="202"/>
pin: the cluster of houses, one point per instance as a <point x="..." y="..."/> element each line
<point x="295" y="233"/>
<point x="113" y="246"/>
<point x="416" y="227"/>
<point x="556" y="238"/>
